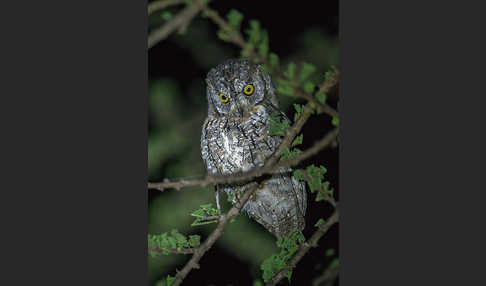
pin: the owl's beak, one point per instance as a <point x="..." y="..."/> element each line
<point x="240" y="107"/>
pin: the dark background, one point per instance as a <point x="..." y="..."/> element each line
<point x="177" y="108"/>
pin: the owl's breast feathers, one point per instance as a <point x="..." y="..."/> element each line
<point x="237" y="144"/>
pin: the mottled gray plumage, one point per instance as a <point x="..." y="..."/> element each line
<point x="235" y="139"/>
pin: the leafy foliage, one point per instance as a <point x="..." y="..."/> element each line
<point x="334" y="263"/>
<point x="174" y="241"/>
<point x="321" y="97"/>
<point x="288" y="154"/>
<point x="165" y="282"/>
<point x="288" y="246"/>
<point x="278" y="125"/>
<point x="320" y="222"/>
<point x="274" y="60"/>
<point x="284" y="87"/>
<point x="305" y="71"/>
<point x="314" y="176"/>
<point x="335" y="121"/>
<point x="234" y="21"/>
<point x="204" y="211"/>
<point x="298" y="140"/>
<point x="298" y="111"/>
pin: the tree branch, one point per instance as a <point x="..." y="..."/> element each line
<point x="180" y="21"/>
<point x="318" y="146"/>
<point x="208" y="243"/>
<point x="173" y="251"/>
<point x="162" y="4"/>
<point x="305" y="247"/>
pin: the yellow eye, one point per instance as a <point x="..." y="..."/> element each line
<point x="223" y="97"/>
<point x="248" y="90"/>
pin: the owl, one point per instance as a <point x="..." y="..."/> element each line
<point x="235" y="138"/>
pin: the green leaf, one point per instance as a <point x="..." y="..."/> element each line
<point x="223" y="35"/>
<point x="321" y="97"/>
<point x="298" y="140"/>
<point x="320" y="222"/>
<point x="298" y="111"/>
<point x="289" y="154"/>
<point x="315" y="176"/>
<point x="320" y="197"/>
<point x="166" y="15"/>
<point x="245" y="53"/>
<point x="254" y="32"/>
<point x="272" y="265"/>
<point x="273" y="59"/>
<point x="285" y="90"/>
<point x="330" y="252"/>
<point x="203" y="212"/>
<point x="230" y="197"/>
<point x="262" y="47"/>
<point x="290" y="72"/>
<point x="288" y="246"/>
<point x="306" y="70"/>
<point x="278" y="125"/>
<point x="309" y="87"/>
<point x="234" y="19"/>
<point x="172" y="242"/>
<point x="194" y="240"/>
<point x="335" y="121"/>
<point x="289" y="274"/>
<point x="333" y="264"/>
<point x="299" y="175"/>
<point x="170" y="280"/>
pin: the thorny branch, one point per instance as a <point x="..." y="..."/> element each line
<point x="206" y="245"/>
<point x="162" y="4"/>
<point x="179" y="22"/>
<point x="305" y="247"/>
<point x="173" y="251"/>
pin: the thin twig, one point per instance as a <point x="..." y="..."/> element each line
<point x="162" y="4"/>
<point x="208" y="218"/>
<point x="179" y="21"/>
<point x="305" y="247"/>
<point x="318" y="146"/>
<point x="206" y="245"/>
<point x="173" y="251"/>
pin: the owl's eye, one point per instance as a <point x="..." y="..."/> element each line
<point x="248" y="90"/>
<point x="223" y="97"/>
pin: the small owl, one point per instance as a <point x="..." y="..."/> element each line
<point x="235" y="139"/>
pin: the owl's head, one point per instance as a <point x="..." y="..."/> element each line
<point x="235" y="86"/>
